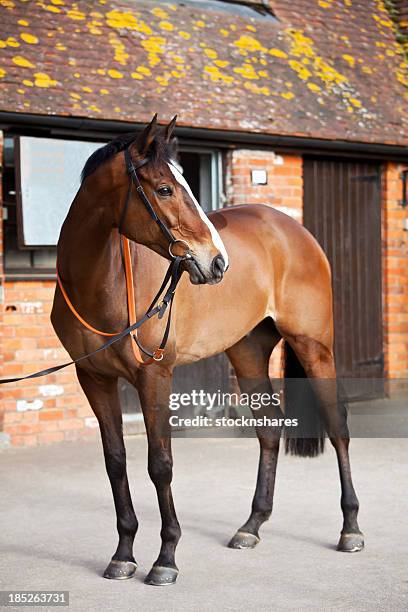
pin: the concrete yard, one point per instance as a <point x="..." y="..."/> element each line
<point x="58" y="529"/>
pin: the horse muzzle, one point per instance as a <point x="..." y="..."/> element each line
<point x="203" y="274"/>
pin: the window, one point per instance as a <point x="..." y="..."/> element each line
<point x="19" y="262"/>
<point x="202" y="171"/>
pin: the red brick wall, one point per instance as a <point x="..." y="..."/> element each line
<point x="285" y="183"/>
<point x="43" y="410"/>
<point x="395" y="262"/>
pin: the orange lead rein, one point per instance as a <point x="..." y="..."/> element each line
<point x="130" y="293"/>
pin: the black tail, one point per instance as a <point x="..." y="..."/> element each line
<point x="301" y="403"/>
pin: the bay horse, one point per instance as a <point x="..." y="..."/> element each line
<point x="278" y="285"/>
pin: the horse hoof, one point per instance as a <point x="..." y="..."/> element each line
<point x="242" y="539"/>
<point x="161" y="576"/>
<point x="120" y="570"/>
<point x="351" y="542"/>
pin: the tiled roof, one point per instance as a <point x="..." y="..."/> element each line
<point x="322" y="68"/>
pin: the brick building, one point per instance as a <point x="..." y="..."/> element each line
<point x="300" y="104"/>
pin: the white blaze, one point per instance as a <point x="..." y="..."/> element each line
<point x="216" y="238"/>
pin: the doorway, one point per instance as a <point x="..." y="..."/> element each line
<point x="342" y="209"/>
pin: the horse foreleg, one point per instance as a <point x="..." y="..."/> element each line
<point x="102" y="394"/>
<point x="154" y="387"/>
<point x="250" y="359"/>
<point x="318" y="363"/>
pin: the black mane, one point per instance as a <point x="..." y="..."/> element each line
<point x="159" y="150"/>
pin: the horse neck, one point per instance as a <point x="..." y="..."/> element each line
<point x="88" y="248"/>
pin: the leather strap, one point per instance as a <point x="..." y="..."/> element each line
<point x="132" y="170"/>
<point x="76" y="313"/>
<point x="172" y="273"/>
<point x="131" y="300"/>
<point x="115" y="338"/>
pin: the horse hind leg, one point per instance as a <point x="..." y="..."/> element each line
<point x="317" y="362"/>
<point x="250" y="359"/>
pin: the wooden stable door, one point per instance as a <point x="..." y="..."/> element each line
<point x="342" y="209"/>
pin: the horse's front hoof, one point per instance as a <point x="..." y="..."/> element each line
<point x="161" y="576"/>
<point x="351" y="542"/>
<point x="120" y="570"/>
<point x="242" y="539"/>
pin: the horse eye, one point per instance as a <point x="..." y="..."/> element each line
<point x="164" y="191"/>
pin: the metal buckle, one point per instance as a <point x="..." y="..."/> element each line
<point x="187" y="255"/>
<point x="158" y="354"/>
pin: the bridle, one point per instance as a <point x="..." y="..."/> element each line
<point x="134" y="180"/>
<point x="157" y="307"/>
<point x="173" y="272"/>
<point x="171" y="278"/>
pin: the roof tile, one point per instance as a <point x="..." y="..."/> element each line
<point x="323" y="68"/>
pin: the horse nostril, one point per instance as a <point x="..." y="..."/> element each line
<point x="218" y="266"/>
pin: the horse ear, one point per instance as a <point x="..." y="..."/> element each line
<point x="145" y="140"/>
<point x="168" y="132"/>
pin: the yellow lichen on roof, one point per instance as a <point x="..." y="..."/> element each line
<point x="115" y="74"/>
<point x="401" y="71"/>
<point x="52" y="9"/>
<point x="10" y="42"/>
<point x="144" y="70"/>
<point x="42" y="79"/>
<point x="29" y="38"/>
<point x="349" y="59"/>
<point x="278" y="53"/>
<point x="76" y="15"/>
<point x="247" y="71"/>
<point x="120" y="54"/>
<point x="211" y="53"/>
<point x="19" y="60"/>
<point x="221" y="63"/>
<point x="216" y="75"/>
<point x="159" y="12"/>
<point x="254" y="88"/>
<point x="249" y="43"/>
<point x="331" y="80"/>
<point x="166" y="25"/>
<point x="154" y="45"/>
<point x="122" y="19"/>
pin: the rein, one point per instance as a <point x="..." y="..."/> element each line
<point x="170" y="281"/>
